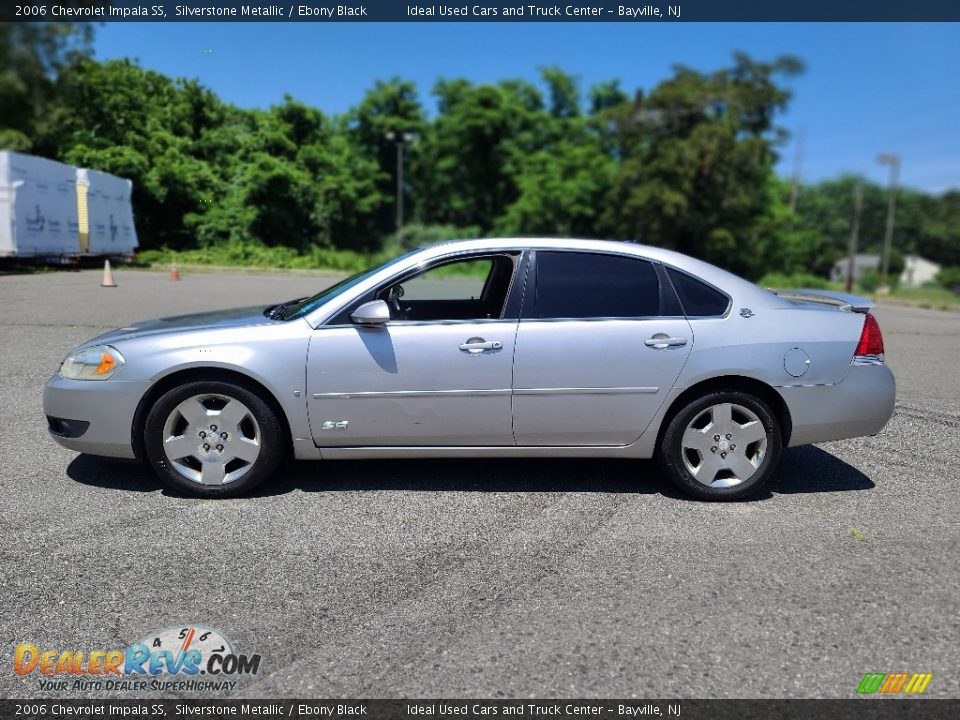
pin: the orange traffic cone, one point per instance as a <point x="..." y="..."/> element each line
<point x="107" y="276"/>
<point x="174" y="272"/>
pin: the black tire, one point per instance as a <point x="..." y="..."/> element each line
<point x="671" y="458"/>
<point x="266" y="429"/>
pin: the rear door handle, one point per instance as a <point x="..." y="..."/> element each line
<point x="662" y="342"/>
<point x="475" y="346"/>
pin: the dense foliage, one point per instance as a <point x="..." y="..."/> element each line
<point x="688" y="164"/>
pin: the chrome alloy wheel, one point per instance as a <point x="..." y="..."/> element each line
<point x="724" y="445"/>
<point x="211" y="439"/>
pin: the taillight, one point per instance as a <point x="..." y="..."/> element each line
<point x="870" y="348"/>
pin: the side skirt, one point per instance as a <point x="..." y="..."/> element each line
<point x="306" y="450"/>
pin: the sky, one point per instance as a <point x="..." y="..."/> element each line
<point x="868" y="88"/>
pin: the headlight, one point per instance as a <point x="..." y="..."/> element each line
<point x="93" y="363"/>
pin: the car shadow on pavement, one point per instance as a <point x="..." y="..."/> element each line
<point x="805" y="469"/>
<point x="113" y="474"/>
<point x="802" y="470"/>
<point x="472" y="475"/>
<point x="809" y="469"/>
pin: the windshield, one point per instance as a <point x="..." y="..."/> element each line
<point x="308" y="305"/>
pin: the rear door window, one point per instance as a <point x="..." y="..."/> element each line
<point x="593" y="285"/>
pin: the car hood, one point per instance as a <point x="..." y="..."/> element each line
<point x="216" y="319"/>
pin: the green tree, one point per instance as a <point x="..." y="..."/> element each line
<point x="559" y="191"/>
<point x="463" y="175"/>
<point x="698" y="152"/>
<point x="206" y="172"/>
<point x="31" y="57"/>
<point x="941" y="237"/>
<point x="390" y="107"/>
<point x="563" y="92"/>
<point x="117" y="117"/>
<point x="605" y="96"/>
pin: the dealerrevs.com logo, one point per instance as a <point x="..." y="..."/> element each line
<point x="191" y="657"/>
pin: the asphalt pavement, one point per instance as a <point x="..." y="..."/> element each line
<point x="484" y="578"/>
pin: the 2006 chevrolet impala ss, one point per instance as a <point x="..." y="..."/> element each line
<point x="545" y="348"/>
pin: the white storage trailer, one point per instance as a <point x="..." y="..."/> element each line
<point x="109" y="213"/>
<point x="59" y="212"/>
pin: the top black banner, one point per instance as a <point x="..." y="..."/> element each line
<point x="483" y="11"/>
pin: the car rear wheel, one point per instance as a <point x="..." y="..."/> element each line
<point x="721" y="446"/>
<point x="213" y="439"/>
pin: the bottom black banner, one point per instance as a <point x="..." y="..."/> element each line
<point x="860" y="708"/>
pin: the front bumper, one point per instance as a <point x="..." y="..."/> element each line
<point x="107" y="406"/>
<point x="859" y="405"/>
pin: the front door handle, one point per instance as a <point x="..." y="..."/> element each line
<point x="475" y="346"/>
<point x="662" y="341"/>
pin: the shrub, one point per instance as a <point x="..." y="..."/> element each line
<point x="870" y="281"/>
<point x="949" y="277"/>
<point x="256" y="255"/>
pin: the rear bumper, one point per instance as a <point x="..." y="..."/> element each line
<point x="861" y="404"/>
<point x="101" y="412"/>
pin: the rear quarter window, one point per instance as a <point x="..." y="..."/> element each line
<point x="698" y="298"/>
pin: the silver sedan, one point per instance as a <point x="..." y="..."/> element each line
<point x="507" y="348"/>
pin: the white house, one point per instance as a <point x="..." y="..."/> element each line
<point x="918" y="271"/>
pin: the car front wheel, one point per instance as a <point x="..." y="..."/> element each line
<point x="721" y="446"/>
<point x="213" y="439"/>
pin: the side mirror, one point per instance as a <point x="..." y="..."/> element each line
<point x="375" y="312"/>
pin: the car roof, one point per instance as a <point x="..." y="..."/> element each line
<point x="521" y="243"/>
<point x="712" y="274"/>
<point x="671" y="257"/>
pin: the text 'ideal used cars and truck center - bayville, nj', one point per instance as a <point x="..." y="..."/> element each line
<point x="546" y="11"/>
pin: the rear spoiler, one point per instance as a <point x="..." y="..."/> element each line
<point x="842" y="301"/>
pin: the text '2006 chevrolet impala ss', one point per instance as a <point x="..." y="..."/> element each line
<point x="486" y="348"/>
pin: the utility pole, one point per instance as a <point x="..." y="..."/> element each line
<point x="399" y="186"/>
<point x="893" y="161"/>
<point x="400" y="140"/>
<point x="854" y="234"/>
